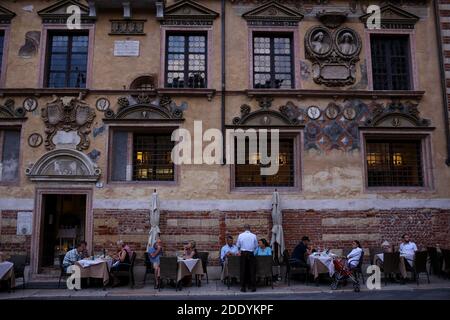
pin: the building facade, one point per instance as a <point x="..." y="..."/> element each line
<point x="87" y="114"/>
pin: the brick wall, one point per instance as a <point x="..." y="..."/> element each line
<point x="330" y="229"/>
<point x="10" y="243"/>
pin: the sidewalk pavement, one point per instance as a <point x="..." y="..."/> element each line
<point x="217" y="290"/>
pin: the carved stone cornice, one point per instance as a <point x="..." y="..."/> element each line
<point x="127" y="27"/>
<point x="57" y="13"/>
<point x="67" y="114"/>
<point x="393" y="17"/>
<point x="332" y="19"/>
<point x="6" y="15"/>
<point x="187" y="12"/>
<point x="273" y="14"/>
<point x="146" y="108"/>
<point x="396" y="114"/>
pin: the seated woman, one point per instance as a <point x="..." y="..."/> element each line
<point x="190" y="252"/>
<point x="122" y="257"/>
<point x="263" y="248"/>
<point x="154" y="253"/>
<point x="355" y="255"/>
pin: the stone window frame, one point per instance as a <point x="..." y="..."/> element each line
<point x="298" y="137"/>
<point x="295" y="35"/>
<point x="426" y="158"/>
<point x="13" y="125"/>
<point x="414" y="77"/>
<point x="46" y="29"/>
<point x="6" y="28"/>
<point x="209" y="31"/>
<point x="133" y="127"/>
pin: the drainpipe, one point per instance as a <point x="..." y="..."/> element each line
<point x="443" y="78"/>
<point x="222" y="109"/>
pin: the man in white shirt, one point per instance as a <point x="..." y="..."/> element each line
<point x="247" y="244"/>
<point x="228" y="250"/>
<point x="407" y="251"/>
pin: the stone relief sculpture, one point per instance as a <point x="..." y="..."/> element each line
<point x="333" y="55"/>
<point x="68" y="114"/>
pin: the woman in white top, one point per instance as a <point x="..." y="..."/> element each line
<point x="355" y="255"/>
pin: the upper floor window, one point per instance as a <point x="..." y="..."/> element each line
<point x="2" y="40"/>
<point x="391" y="62"/>
<point x="249" y="174"/>
<point x="186" y="62"/>
<point x="142" y="156"/>
<point x="394" y="163"/>
<point x="273" y="61"/>
<point x="67" y="60"/>
<point x="9" y="155"/>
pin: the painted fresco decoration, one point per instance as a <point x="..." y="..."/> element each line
<point x="9" y="111"/>
<point x="187" y="12"/>
<point x="272" y="14"/>
<point x="31" y="46"/>
<point x="146" y="107"/>
<point x="94" y="155"/>
<point x="35" y="140"/>
<point x="68" y="114"/>
<point x="102" y="104"/>
<point x="333" y="55"/>
<point x="396" y="114"/>
<point x="64" y="165"/>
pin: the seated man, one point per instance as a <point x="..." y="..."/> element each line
<point x="301" y="252"/>
<point x="74" y="255"/>
<point x="228" y="250"/>
<point x="407" y="251"/>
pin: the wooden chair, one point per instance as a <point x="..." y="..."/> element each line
<point x="126" y="270"/>
<point x="204" y="255"/>
<point x="234" y="269"/>
<point x="148" y="266"/>
<point x="168" y="270"/>
<point x="264" y="269"/>
<point x="358" y="269"/>
<point x="20" y="261"/>
<point x="293" y="267"/>
<point x="420" y="265"/>
<point x="391" y="263"/>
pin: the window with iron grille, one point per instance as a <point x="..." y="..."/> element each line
<point x="395" y="163"/>
<point x="249" y="175"/>
<point x="141" y="156"/>
<point x="67" y="60"/>
<point x="186" y="60"/>
<point x="2" y="40"/>
<point x="390" y="62"/>
<point x="273" y="61"/>
<point x="152" y="157"/>
<point x="9" y="154"/>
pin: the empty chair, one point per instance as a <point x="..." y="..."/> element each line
<point x="168" y="270"/>
<point x="292" y="267"/>
<point x="420" y="265"/>
<point x="446" y="258"/>
<point x="234" y="269"/>
<point x="20" y="261"/>
<point x="127" y="270"/>
<point x="148" y="266"/>
<point x="264" y="269"/>
<point x="435" y="264"/>
<point x="203" y="255"/>
<point x="372" y="252"/>
<point x="391" y="263"/>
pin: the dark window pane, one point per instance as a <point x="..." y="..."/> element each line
<point x="67" y="61"/>
<point x="186" y="63"/>
<point x="390" y="62"/>
<point x="10" y="155"/>
<point x="152" y="157"/>
<point x="272" y="62"/>
<point x="394" y="163"/>
<point x="119" y="156"/>
<point x="249" y="175"/>
<point x="2" y="40"/>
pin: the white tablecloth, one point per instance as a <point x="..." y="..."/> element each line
<point x="87" y="262"/>
<point x="5" y="267"/>
<point x="326" y="261"/>
<point x="189" y="263"/>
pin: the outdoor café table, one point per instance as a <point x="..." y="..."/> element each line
<point x="7" y="273"/>
<point x="98" y="268"/>
<point x="187" y="267"/>
<point x="321" y="264"/>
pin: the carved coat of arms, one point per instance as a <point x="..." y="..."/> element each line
<point x="68" y="114"/>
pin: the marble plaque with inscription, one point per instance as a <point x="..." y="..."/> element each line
<point x="126" y="48"/>
<point x="335" y="72"/>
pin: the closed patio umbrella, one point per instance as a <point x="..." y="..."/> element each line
<point x="277" y="228"/>
<point x="154" y="220"/>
